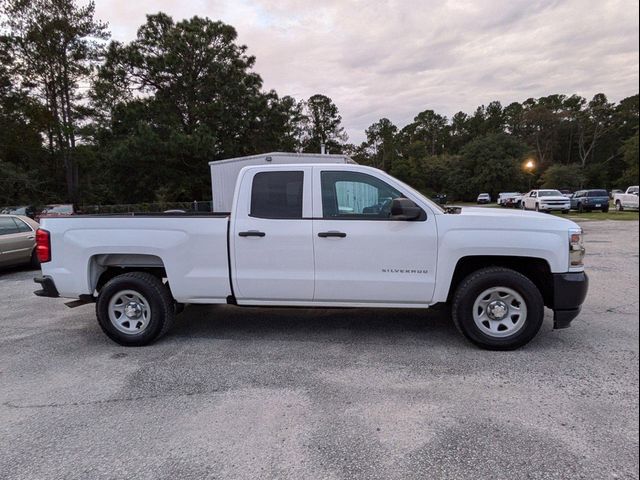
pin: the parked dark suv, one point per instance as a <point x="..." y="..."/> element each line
<point x="590" y="200"/>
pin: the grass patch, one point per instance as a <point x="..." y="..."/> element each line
<point x="611" y="215"/>
<point x="573" y="215"/>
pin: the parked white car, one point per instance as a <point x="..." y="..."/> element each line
<point x="508" y="199"/>
<point x="483" y="199"/>
<point x="320" y="235"/>
<point x="546" y="201"/>
<point x="627" y="200"/>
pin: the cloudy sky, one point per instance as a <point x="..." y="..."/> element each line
<point x="396" y="58"/>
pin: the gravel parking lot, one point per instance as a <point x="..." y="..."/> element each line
<point x="284" y="393"/>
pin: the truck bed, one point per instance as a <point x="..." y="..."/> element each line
<point x="191" y="247"/>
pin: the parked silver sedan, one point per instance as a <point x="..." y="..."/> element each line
<point x="17" y="241"/>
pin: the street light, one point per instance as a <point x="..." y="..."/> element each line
<point x="530" y="166"/>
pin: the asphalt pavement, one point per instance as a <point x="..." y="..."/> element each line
<point x="235" y="393"/>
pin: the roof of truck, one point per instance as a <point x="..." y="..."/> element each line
<point x="320" y="156"/>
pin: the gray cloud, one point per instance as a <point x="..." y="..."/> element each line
<point x="396" y="58"/>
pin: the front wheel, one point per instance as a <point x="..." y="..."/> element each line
<point x="498" y="309"/>
<point x="619" y="206"/>
<point x="135" y="309"/>
<point x="605" y="209"/>
<point x="537" y="207"/>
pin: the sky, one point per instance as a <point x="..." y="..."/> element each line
<point x="397" y="58"/>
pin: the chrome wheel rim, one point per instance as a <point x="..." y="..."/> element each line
<point x="129" y="312"/>
<point x="499" y="312"/>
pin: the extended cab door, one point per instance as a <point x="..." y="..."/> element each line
<point x="361" y="254"/>
<point x="271" y="235"/>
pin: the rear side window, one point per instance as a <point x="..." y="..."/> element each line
<point x="277" y="195"/>
<point x="7" y="226"/>
<point x="22" y="227"/>
<point x="598" y="193"/>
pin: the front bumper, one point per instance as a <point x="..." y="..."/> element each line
<point x="555" y="208"/>
<point x="48" y="287"/>
<point x="569" y="293"/>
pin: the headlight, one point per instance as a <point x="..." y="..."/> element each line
<point x="576" y="248"/>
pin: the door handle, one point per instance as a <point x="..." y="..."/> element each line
<point x="30" y="237"/>
<point x="252" y="233"/>
<point x="332" y="233"/>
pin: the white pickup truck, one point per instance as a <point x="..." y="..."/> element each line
<point x="627" y="200"/>
<point x="320" y="235"/>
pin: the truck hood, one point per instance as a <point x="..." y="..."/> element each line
<point x="514" y="219"/>
<point x="555" y="198"/>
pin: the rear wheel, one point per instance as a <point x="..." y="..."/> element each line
<point x="498" y="309"/>
<point x="135" y="309"/>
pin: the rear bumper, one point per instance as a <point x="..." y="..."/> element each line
<point x="48" y="287"/>
<point x="569" y="292"/>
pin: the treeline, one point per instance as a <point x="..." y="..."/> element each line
<point x="90" y="121"/>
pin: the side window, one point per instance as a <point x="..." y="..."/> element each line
<point x="7" y="226"/>
<point x="534" y="194"/>
<point x="355" y="195"/>
<point x="22" y="227"/>
<point x="277" y="195"/>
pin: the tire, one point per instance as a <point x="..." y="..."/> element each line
<point x="525" y="322"/>
<point x="149" y="299"/>
<point x="34" y="262"/>
<point x="619" y="206"/>
<point x="537" y="207"/>
<point x="605" y="209"/>
<point x="565" y="212"/>
<point x="580" y="208"/>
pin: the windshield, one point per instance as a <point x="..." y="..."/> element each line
<point x="59" y="209"/>
<point x="549" y="193"/>
<point x="432" y="204"/>
<point x="598" y="193"/>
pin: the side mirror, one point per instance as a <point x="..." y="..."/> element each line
<point x="404" y="209"/>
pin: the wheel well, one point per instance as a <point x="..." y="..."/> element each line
<point x="535" y="269"/>
<point x="103" y="268"/>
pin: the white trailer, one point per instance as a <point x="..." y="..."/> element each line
<point x="224" y="173"/>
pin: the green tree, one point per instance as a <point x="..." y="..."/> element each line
<point x="630" y="155"/>
<point x="57" y="43"/>
<point x="25" y="177"/>
<point x="563" y="176"/>
<point x="381" y="136"/>
<point x="432" y="129"/>
<point x="323" y="125"/>
<point x="492" y="164"/>
<point x="178" y="96"/>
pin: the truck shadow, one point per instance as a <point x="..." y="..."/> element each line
<point x="26" y="269"/>
<point x="314" y="324"/>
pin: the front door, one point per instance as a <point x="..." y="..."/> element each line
<point x="363" y="256"/>
<point x="272" y="236"/>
